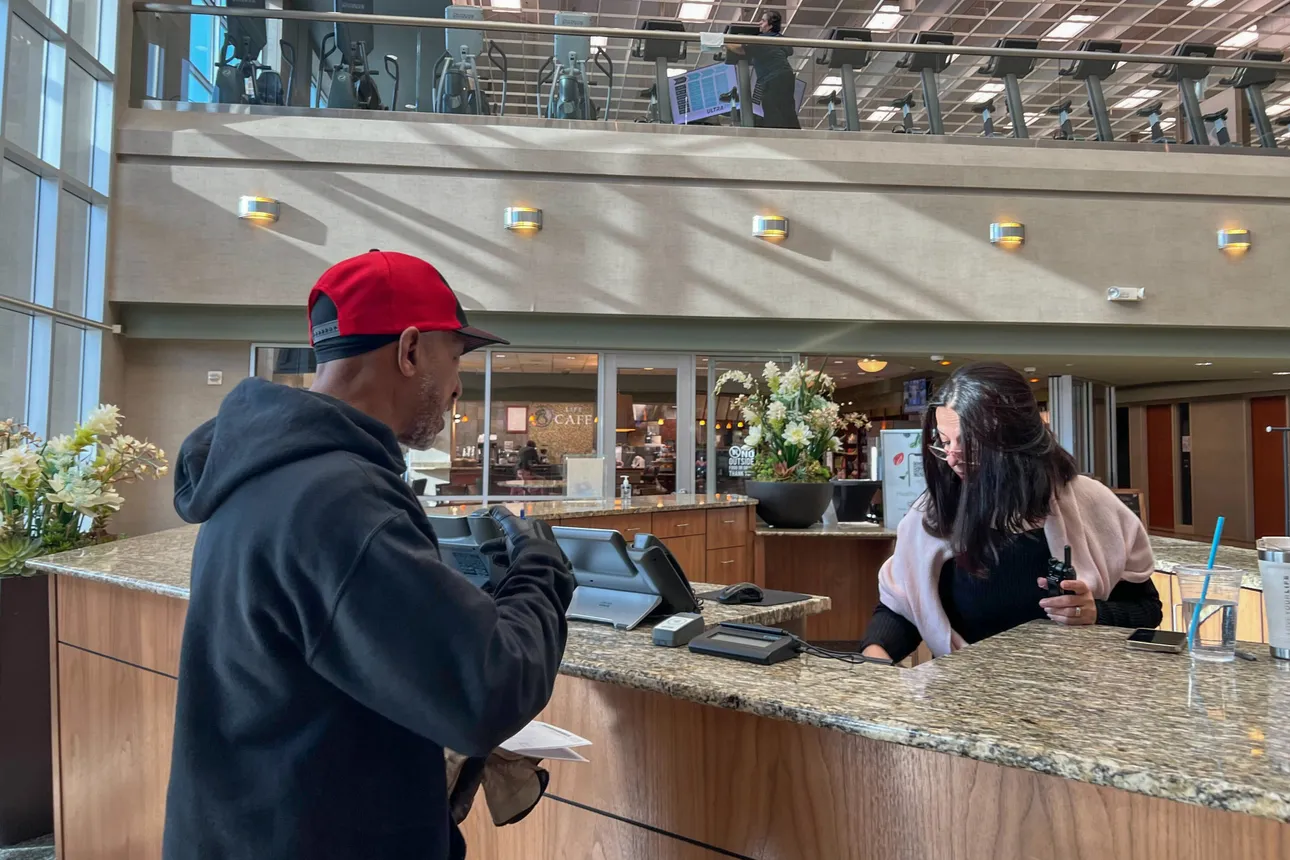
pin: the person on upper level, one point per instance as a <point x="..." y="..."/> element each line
<point x="775" y="78"/>
<point x="1003" y="498"/>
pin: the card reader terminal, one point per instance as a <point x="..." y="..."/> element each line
<point x="678" y="630"/>
<point x="751" y="643"/>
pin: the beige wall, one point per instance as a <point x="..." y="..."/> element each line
<point x="647" y="220"/>
<point x="165" y="396"/>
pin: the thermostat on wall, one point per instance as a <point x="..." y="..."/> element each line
<point x="214" y="377"/>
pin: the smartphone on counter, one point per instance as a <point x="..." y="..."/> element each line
<point x="1166" y="641"/>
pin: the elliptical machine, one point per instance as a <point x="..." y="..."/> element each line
<point x="353" y="82"/>
<point x="240" y="77"/>
<point x="457" y="89"/>
<point x="566" y="72"/>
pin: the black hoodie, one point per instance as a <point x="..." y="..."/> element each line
<point x="329" y="656"/>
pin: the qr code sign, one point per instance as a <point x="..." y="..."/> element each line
<point x="916" y="465"/>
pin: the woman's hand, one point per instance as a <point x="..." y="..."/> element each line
<point x="876" y="651"/>
<point x="1074" y="609"/>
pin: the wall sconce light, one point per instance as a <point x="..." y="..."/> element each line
<point x="1236" y="241"/>
<point x="264" y="210"/>
<point x="871" y="365"/>
<point x="522" y="218"/>
<point x="770" y="227"/>
<point x="1009" y="234"/>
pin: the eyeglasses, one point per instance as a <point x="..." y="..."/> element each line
<point x="943" y="454"/>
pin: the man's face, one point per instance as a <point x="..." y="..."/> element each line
<point x="435" y="384"/>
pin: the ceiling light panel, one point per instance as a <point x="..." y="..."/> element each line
<point x="886" y="19"/>
<point x="1070" y="28"/>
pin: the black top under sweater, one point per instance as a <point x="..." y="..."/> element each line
<point x="981" y="606"/>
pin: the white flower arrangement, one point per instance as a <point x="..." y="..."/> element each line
<point x="792" y="421"/>
<point x="59" y="495"/>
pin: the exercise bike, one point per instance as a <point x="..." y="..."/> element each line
<point x="353" y="83"/>
<point x="240" y="77"/>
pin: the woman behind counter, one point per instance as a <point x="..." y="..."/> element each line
<point x="1002" y="499"/>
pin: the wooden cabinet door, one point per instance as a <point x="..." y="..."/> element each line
<point x="729" y="565"/>
<point x="691" y="555"/>
<point x="728" y="527"/>
<point x="679" y="524"/>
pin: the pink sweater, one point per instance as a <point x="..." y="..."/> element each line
<point x="1108" y="543"/>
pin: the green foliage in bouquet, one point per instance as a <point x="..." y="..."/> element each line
<point x="59" y="495"/>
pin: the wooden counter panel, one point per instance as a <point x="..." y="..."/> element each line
<point x="843" y="569"/>
<point x="728" y="527"/>
<point x="558" y="831"/>
<point x="135" y="626"/>
<point x="115" y="725"/>
<point x="781" y="791"/>
<point x="668" y="524"/>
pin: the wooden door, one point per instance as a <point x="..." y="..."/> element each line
<point x="1268" y="461"/>
<point x="1160" y="467"/>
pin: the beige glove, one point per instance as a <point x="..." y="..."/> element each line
<point x="513" y="784"/>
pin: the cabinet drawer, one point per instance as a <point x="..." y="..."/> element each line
<point x="728" y="566"/>
<point x="690" y="555"/>
<point x="628" y="525"/>
<point x="680" y="523"/>
<point x="728" y="527"/>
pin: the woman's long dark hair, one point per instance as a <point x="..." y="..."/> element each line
<point x="1014" y="464"/>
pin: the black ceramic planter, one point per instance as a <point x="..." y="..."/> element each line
<point x="790" y="506"/>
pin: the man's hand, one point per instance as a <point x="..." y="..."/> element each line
<point x="517" y="532"/>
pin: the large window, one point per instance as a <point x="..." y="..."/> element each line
<point x="522" y="416"/>
<point x="55" y="142"/>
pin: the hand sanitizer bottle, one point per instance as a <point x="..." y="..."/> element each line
<point x="626" y="492"/>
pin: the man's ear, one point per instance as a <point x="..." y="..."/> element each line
<point x="409" y="341"/>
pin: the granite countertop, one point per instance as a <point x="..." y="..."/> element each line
<point x="574" y="508"/>
<point x="853" y="531"/>
<point x="1072" y="702"/>
<point x="1215" y="735"/>
<point x="1172" y="553"/>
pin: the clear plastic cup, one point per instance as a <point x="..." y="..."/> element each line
<point x="1216" y="629"/>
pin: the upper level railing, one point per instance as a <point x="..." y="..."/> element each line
<point x="925" y="82"/>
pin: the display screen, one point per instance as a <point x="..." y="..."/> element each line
<point x="739" y="640"/>
<point x="915" y="396"/>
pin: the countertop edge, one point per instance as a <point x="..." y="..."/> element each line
<point x="1205" y="792"/>
<point x="110" y="578"/>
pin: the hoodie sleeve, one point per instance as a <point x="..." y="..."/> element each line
<point x="414" y="640"/>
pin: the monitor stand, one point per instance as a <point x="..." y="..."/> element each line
<point x="622" y="609"/>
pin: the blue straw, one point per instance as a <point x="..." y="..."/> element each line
<point x="1204" y="589"/>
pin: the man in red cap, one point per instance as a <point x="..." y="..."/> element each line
<point x="329" y="655"/>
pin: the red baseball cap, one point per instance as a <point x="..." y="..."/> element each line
<point x="365" y="302"/>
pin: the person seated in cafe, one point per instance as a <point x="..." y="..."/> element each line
<point x="1003" y="498"/>
<point x="528" y="459"/>
<point x="638" y="462"/>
